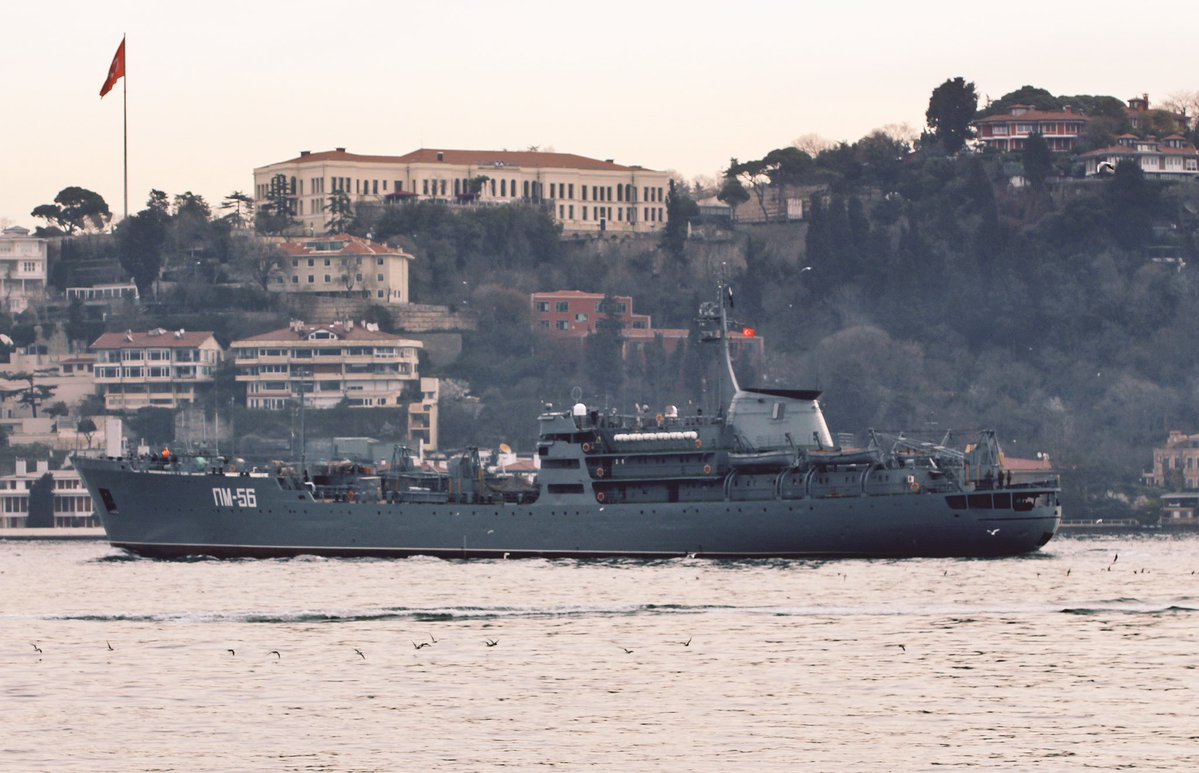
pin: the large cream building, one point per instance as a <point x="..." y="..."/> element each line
<point x="583" y="194"/>
<point x="328" y="363"/>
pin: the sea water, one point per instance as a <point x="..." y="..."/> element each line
<point x="1083" y="655"/>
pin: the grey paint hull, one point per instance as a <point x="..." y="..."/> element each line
<point x="166" y="514"/>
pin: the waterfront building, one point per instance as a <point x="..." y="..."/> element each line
<point x="22" y="269"/>
<point x="1180" y="509"/>
<point x="156" y="369"/>
<point x="582" y="194"/>
<point x="72" y="504"/>
<point x="327" y="364"/>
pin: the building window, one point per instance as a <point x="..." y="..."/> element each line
<point x="563" y="306"/>
<point x="543" y="305"/>
<point x="563" y="324"/>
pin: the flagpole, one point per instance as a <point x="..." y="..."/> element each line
<point x="125" y="117"/>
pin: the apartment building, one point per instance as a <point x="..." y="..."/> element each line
<point x="344" y="265"/>
<point x="22" y="269"/>
<point x="1061" y="130"/>
<point x="156" y="369"/>
<point x="326" y="364"/>
<point x="583" y="194"/>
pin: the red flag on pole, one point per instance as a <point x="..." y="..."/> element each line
<point x="116" y="70"/>
<point x="748" y="332"/>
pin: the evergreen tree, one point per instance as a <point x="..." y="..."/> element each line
<point x="604" y="363"/>
<point x="950" y="111"/>
<point x="41" y="503"/>
<point x="1038" y="161"/>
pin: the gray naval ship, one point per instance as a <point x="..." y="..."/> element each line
<point x="761" y="478"/>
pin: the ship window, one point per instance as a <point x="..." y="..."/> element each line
<point x="980" y="501"/>
<point x="560" y="464"/>
<point x="1003" y="501"/>
<point x="1023" y="502"/>
<point x="956" y="501"/>
<point x="777" y="412"/>
<point x="566" y="488"/>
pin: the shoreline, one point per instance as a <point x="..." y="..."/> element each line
<point x="61" y="533"/>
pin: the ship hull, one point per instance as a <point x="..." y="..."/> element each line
<point x="165" y="514"/>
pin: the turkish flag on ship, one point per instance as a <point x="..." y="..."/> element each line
<point x="116" y="70"/>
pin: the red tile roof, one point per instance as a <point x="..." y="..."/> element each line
<point x="1032" y="116"/>
<point x="157" y="339"/>
<point x="535" y="159"/>
<point x="352" y="245"/>
<point x="1130" y="150"/>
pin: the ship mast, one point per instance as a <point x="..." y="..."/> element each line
<point x="714" y="321"/>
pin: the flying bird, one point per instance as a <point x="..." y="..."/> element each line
<point x="491" y="642"/>
<point x="360" y="653"/>
<point x="231" y="653"/>
<point x="106" y="641"/>
<point x="688" y="642"/>
<point x="36" y="648"/>
<point x="276" y="654"/>
<point x="418" y="646"/>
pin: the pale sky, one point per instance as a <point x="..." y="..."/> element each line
<point x="217" y="88"/>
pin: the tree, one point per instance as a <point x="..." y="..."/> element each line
<point x="733" y="193"/>
<point x="266" y="261"/>
<point x="680" y="209"/>
<point x="950" y="110"/>
<point x="87" y="428"/>
<point x="142" y="240"/>
<point x="32" y="395"/>
<point x="242" y="206"/>
<point x="41" y="503"/>
<point x="277" y="214"/>
<point x="752" y="175"/>
<point x="341" y="213"/>
<point x="75" y="209"/>
<point x="1038" y="161"/>
<point x="1037" y="98"/>
<point x="604" y="365"/>
<point x="57" y="409"/>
